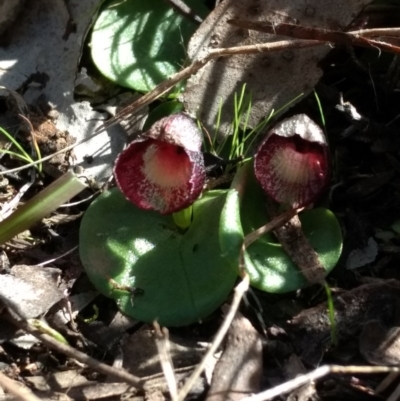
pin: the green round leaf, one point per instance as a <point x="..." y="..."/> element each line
<point x="140" y="43"/>
<point x="269" y="267"/>
<point x="183" y="276"/>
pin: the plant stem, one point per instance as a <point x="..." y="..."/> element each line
<point x="183" y="218"/>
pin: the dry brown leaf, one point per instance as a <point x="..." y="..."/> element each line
<point x="273" y="79"/>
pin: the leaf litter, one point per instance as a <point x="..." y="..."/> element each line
<point x="306" y="333"/>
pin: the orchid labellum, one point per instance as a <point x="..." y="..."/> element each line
<point x="164" y="169"/>
<point x="292" y="163"/>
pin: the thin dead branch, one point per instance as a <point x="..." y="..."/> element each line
<point x="316" y="34"/>
<point x="78" y="355"/>
<point x="276" y="222"/>
<point x="182" y="8"/>
<point x="317" y="374"/>
<point x="164" y="352"/>
<point x="239" y="291"/>
<point x="47" y="262"/>
<point x="374" y="32"/>
<point x="9" y="207"/>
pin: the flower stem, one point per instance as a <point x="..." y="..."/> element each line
<point x="183" y="218"/>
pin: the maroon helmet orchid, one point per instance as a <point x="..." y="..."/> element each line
<point x="164" y="169"/>
<point x="292" y="163"/>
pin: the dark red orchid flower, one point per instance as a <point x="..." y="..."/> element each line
<point x="292" y="163"/>
<point x="164" y="169"/>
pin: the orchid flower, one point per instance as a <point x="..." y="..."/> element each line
<point x="292" y="163"/>
<point x="164" y="169"/>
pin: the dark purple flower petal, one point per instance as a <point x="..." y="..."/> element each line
<point x="292" y="163"/>
<point x="157" y="173"/>
<point x="178" y="129"/>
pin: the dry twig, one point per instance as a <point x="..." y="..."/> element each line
<point x="317" y="374"/>
<point x="319" y="34"/>
<point x="79" y="356"/>
<point x="239" y="291"/>
<point x="167" y="366"/>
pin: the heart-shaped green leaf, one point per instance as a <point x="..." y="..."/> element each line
<point x="269" y="267"/>
<point x="183" y="276"/>
<point x="140" y="43"/>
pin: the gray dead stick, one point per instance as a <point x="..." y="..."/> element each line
<point x="238" y="372"/>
